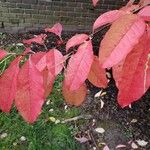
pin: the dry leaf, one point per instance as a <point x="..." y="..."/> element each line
<point x="102" y="104"/>
<point x="98" y="94"/>
<point x="100" y="130"/>
<point x="120" y="146"/>
<point x="82" y="139"/>
<point x="142" y="142"/>
<point x="106" y="148"/>
<point x="134" y="146"/>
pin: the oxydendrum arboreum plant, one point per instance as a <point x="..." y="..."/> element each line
<point x="125" y="48"/>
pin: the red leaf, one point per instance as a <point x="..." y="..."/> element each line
<point x="106" y="18"/>
<point x="117" y="71"/>
<point x="145" y="13"/>
<point x="39" y="60"/>
<point x="76" y="40"/>
<point x="8" y="85"/>
<point x="48" y="81"/>
<point x="56" y="29"/>
<point x="39" y="39"/>
<point x="123" y="35"/>
<point x="30" y="92"/>
<point x="97" y="75"/>
<point x="74" y="97"/>
<point x="2" y="54"/>
<point x="133" y="82"/>
<point x="94" y="2"/>
<point x="79" y="66"/>
<point x="55" y="61"/>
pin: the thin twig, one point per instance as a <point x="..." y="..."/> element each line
<point x="77" y="118"/>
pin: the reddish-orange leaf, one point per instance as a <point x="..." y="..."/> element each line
<point x="8" y="85"/>
<point x="56" y="29"/>
<point x="39" y="39"/>
<point x="76" y="40"/>
<point x="106" y="18"/>
<point x="79" y="66"/>
<point x="50" y="64"/>
<point x="94" y="2"/>
<point x="55" y="61"/>
<point x="37" y="56"/>
<point x="2" y="54"/>
<point x="117" y="71"/>
<point x="123" y="35"/>
<point x="30" y="92"/>
<point x="39" y="59"/>
<point x="97" y="75"/>
<point x="74" y="97"/>
<point x="133" y="82"/>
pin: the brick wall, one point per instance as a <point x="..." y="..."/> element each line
<point x="23" y="15"/>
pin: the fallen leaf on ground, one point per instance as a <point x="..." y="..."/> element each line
<point x="142" y="142"/>
<point x="106" y="148"/>
<point x="100" y="130"/>
<point x="102" y="104"/>
<point x="120" y="146"/>
<point x="133" y="120"/>
<point x="134" y="146"/>
<point x="52" y="119"/>
<point x="98" y="94"/>
<point x="82" y="139"/>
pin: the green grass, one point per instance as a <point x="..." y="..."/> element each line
<point x="43" y="134"/>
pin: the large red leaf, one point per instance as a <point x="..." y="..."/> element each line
<point x="145" y="13"/>
<point x="30" y="92"/>
<point x="2" y="54"/>
<point x="106" y="18"/>
<point x="123" y="35"/>
<point x="132" y="76"/>
<point x="74" y="97"/>
<point x="79" y="66"/>
<point x="76" y="40"/>
<point x="39" y="59"/>
<point x="55" y="61"/>
<point x="56" y="29"/>
<point x="39" y="39"/>
<point x="50" y="64"/>
<point x="8" y="85"/>
<point x="94" y="2"/>
<point x="97" y="75"/>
